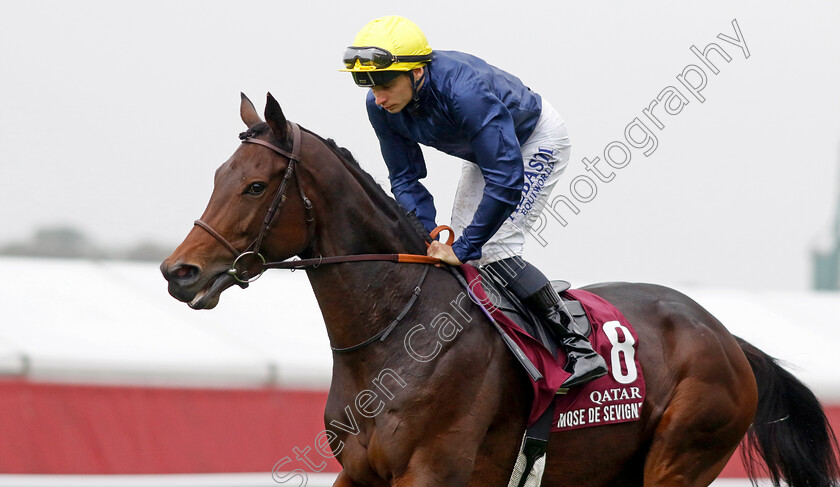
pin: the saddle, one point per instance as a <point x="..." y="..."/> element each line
<point x="514" y="309"/>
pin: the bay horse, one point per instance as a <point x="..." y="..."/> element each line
<point x="458" y="419"/>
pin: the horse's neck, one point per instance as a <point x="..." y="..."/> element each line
<point x="357" y="300"/>
<point x="353" y="217"/>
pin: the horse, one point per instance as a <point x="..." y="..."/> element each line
<point x="457" y="419"/>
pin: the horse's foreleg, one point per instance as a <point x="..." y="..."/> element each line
<point x="344" y="480"/>
<point x="433" y="476"/>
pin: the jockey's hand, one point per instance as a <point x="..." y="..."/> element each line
<point x="443" y="252"/>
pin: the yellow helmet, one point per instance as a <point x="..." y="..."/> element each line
<point x="385" y="48"/>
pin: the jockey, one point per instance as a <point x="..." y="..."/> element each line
<point x="514" y="146"/>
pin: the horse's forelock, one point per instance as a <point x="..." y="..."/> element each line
<point x="255" y="131"/>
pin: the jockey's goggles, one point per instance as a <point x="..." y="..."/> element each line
<point x="378" y="58"/>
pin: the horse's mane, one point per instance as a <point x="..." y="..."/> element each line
<point x="370" y="184"/>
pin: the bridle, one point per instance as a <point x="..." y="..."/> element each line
<point x="275" y="209"/>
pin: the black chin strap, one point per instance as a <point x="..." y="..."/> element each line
<point x="415" y="90"/>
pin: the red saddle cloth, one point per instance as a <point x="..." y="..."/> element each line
<point x="614" y="398"/>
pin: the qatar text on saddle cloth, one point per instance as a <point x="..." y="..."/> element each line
<point x="614" y="398"/>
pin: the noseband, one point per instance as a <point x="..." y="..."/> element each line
<point x="273" y="210"/>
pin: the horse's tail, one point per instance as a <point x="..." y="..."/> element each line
<point x="790" y="431"/>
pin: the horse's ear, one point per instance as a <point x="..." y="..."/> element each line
<point x="248" y="112"/>
<point x="274" y="117"/>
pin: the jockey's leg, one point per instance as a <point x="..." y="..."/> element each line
<point x="533" y="288"/>
<point x="545" y="156"/>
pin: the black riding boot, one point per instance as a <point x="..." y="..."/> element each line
<point x="583" y="362"/>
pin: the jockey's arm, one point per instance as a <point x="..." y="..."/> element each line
<point x="406" y="166"/>
<point x="498" y="154"/>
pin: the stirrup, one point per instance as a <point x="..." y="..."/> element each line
<point x="583" y="380"/>
<point x="599" y="370"/>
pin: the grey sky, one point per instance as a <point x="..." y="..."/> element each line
<point x="114" y="115"/>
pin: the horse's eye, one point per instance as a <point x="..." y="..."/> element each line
<point x="255" y="189"/>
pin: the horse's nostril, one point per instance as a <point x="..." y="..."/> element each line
<point x="184" y="273"/>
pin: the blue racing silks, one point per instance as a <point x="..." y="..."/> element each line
<point x="471" y="110"/>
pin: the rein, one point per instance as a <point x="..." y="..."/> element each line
<point x="275" y="209"/>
